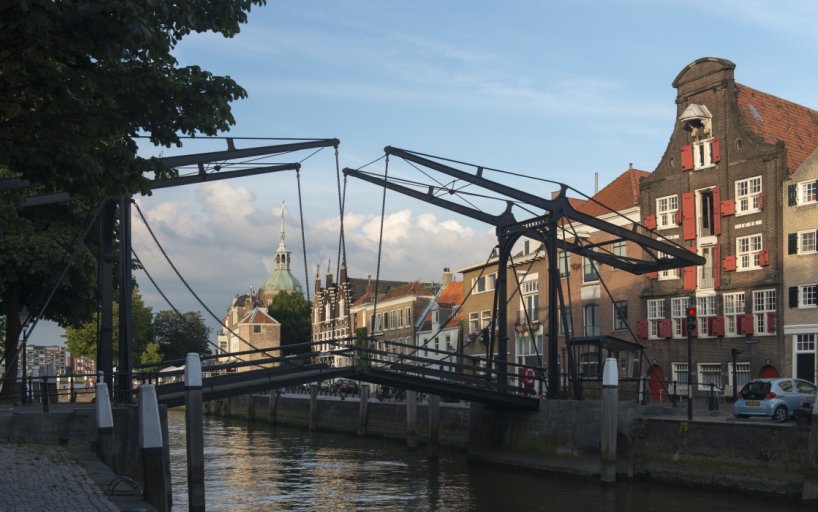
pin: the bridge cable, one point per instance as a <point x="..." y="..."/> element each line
<point x="380" y="246"/>
<point x="303" y="239"/>
<point x="181" y="278"/>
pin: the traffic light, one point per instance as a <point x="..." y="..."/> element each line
<point x="691" y="319"/>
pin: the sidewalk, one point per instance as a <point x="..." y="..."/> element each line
<point x="36" y="476"/>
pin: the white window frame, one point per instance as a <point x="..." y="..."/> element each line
<point x="707" y="373"/>
<point x="589" y="266"/>
<point x="665" y="275"/>
<point x="678" y="315"/>
<point x="656" y="312"/>
<point x="748" y="250"/>
<point x="743" y="372"/>
<point x="733" y="308"/>
<point x="474" y="321"/>
<point x="485" y="319"/>
<point x="679" y="375"/>
<point x="764" y="301"/>
<point x="618" y="323"/>
<point x="563" y="260"/>
<point x="805" y="245"/>
<point x="703" y="153"/>
<point x="706" y="307"/>
<point x="804" y="343"/>
<point x="595" y="325"/>
<point x="808" y="296"/>
<point x="666" y="208"/>
<point x="484" y="283"/>
<point x="568" y="319"/>
<point x="748" y="192"/>
<point x="807" y="192"/>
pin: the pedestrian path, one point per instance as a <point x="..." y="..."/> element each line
<point x="35" y="477"/>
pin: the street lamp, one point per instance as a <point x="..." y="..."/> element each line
<point x="691" y="325"/>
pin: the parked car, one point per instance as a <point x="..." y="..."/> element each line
<point x="777" y="398"/>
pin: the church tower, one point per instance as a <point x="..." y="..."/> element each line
<point x="282" y="279"/>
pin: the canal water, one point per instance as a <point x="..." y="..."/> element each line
<point x="252" y="466"/>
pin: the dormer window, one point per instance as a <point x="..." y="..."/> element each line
<point x="703" y="150"/>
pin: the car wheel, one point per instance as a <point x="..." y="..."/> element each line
<point x="780" y="414"/>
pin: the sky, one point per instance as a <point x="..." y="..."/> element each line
<point x="563" y="91"/>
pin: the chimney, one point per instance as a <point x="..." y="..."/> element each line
<point x="596" y="183"/>
<point x="447" y="277"/>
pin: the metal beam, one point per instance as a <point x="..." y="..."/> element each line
<point x="233" y="154"/>
<point x="215" y="176"/>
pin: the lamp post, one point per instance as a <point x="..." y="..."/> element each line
<point x="23" y="316"/>
<point x="691" y="325"/>
<point x="734" y="352"/>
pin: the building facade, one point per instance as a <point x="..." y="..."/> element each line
<point x="718" y="191"/>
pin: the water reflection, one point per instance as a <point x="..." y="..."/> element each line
<point x="249" y="466"/>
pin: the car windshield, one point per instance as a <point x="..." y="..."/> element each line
<point x="755" y="390"/>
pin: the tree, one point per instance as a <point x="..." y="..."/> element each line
<point x="177" y="336"/>
<point x="151" y="353"/>
<point x="80" y="80"/>
<point x="293" y="312"/>
<point x="82" y="339"/>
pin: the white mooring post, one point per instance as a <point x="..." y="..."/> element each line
<point x="411" y="419"/>
<point x="105" y="426"/>
<point x="610" y="397"/>
<point x="194" y="427"/>
<point x="151" y="445"/>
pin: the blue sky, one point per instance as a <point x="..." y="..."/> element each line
<point x="559" y="90"/>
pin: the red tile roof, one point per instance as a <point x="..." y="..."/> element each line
<point x="775" y="119"/>
<point x="452" y="294"/>
<point x="258" y="316"/>
<point x="408" y="290"/>
<point x="620" y="194"/>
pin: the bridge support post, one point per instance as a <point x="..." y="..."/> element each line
<point x="251" y="408"/>
<point x="152" y="446"/>
<point x="434" y="426"/>
<point x="313" y="406"/>
<point x="194" y="430"/>
<point x="411" y="419"/>
<point x="610" y="397"/>
<point x="363" y="410"/>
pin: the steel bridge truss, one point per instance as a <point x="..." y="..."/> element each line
<point x="552" y="228"/>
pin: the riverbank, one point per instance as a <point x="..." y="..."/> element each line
<point x="654" y="443"/>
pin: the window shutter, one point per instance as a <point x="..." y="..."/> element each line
<point x="745" y="324"/>
<point x="761" y="201"/>
<point x="729" y="263"/>
<point x="763" y="258"/>
<point x="664" y="328"/>
<point x="652" y="275"/>
<point x="717" y="212"/>
<point x="770" y="322"/>
<point x="687" y="157"/>
<point x="689" y="216"/>
<point x="792" y="195"/>
<point x="716" y="266"/>
<point x="715" y="151"/>
<point x="728" y="207"/>
<point x="792" y="243"/>
<point x="690" y="278"/>
<point x="642" y="328"/>
<point x="715" y="325"/>
<point x="650" y="222"/>
<point x="677" y="217"/>
<point x="793" y="296"/>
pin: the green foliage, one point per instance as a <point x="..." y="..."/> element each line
<point x="178" y="336"/>
<point x="81" y="339"/>
<point x="151" y="353"/>
<point x="80" y="79"/>
<point x="293" y="312"/>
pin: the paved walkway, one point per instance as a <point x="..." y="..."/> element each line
<point x="36" y="477"/>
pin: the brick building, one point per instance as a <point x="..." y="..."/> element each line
<point x="718" y="190"/>
<point x="801" y="269"/>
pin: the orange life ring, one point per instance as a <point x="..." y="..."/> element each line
<point x="527" y="377"/>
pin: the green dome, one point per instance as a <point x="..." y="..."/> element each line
<point x="282" y="280"/>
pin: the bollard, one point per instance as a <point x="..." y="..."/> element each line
<point x="313" y="406"/>
<point x="194" y="428"/>
<point x="411" y="419"/>
<point x="151" y="445"/>
<point x="434" y="427"/>
<point x="363" y="410"/>
<point x="105" y="426"/>
<point x="610" y="397"/>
